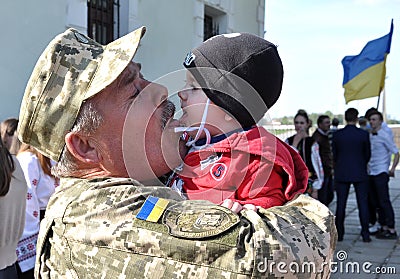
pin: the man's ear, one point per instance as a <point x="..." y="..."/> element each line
<point x="82" y="148"/>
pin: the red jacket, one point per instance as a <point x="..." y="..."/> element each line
<point x="249" y="167"/>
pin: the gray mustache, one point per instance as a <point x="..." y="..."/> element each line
<point x="167" y="112"/>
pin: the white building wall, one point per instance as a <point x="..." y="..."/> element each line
<point x="174" y="27"/>
<point x="26" y="28"/>
<point x="168" y="38"/>
<point x="249" y="16"/>
<point x="76" y="15"/>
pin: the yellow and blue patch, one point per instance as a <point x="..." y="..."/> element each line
<point x="152" y="209"/>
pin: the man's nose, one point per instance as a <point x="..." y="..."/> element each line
<point x="157" y="92"/>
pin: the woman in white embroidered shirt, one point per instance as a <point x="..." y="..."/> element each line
<point x="308" y="149"/>
<point x="41" y="185"/>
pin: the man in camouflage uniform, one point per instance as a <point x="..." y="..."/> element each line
<point x="102" y="224"/>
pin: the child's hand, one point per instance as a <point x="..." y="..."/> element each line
<point x="249" y="206"/>
<point x="237" y="207"/>
<point x="234" y="206"/>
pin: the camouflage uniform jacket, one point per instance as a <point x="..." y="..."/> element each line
<point x="90" y="231"/>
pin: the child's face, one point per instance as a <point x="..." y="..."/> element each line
<point x="193" y="102"/>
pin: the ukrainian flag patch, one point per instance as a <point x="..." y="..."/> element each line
<point x="152" y="209"/>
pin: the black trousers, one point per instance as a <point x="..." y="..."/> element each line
<point x="379" y="195"/>
<point x="10" y="272"/>
<point x="325" y="194"/>
<point x="29" y="274"/>
<point x="342" y="193"/>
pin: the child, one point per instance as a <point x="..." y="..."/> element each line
<point x="232" y="80"/>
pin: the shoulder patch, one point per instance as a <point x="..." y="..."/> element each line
<point x="196" y="219"/>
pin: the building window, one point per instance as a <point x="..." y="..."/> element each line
<point x="214" y="22"/>
<point x="211" y="28"/>
<point x="101" y="20"/>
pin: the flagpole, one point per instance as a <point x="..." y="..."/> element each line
<point x="384" y="103"/>
<point x="377" y="105"/>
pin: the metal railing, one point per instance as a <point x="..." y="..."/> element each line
<point x="285" y="131"/>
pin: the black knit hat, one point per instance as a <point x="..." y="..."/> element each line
<point x="240" y="72"/>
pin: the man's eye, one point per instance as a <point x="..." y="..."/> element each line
<point x="135" y="94"/>
<point x="142" y="77"/>
<point x="194" y="87"/>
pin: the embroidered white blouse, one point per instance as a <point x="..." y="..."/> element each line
<point x="40" y="188"/>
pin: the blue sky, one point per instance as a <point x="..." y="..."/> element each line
<point x="314" y="36"/>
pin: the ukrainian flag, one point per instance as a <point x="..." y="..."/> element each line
<point x="364" y="74"/>
<point x="152" y="209"/>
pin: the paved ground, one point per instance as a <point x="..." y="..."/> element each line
<point x="377" y="259"/>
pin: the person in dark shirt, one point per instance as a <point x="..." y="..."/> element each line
<point x="321" y="136"/>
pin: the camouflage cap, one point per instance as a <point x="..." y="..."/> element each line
<point x="71" y="69"/>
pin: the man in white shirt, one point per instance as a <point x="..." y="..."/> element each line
<point x="382" y="148"/>
<point x="384" y="125"/>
